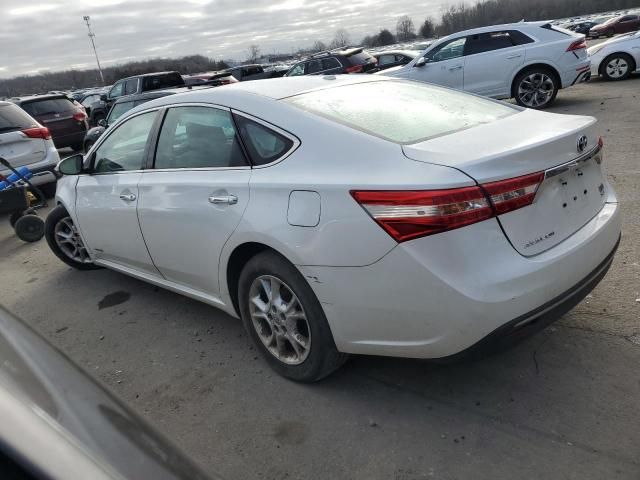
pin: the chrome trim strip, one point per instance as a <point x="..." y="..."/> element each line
<point x="575" y="163"/>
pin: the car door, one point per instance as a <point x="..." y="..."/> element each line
<point x="444" y="65"/>
<point x="107" y="198"/>
<point x="194" y="197"/>
<point x="491" y="61"/>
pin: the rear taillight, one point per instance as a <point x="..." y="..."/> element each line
<point x="514" y="193"/>
<point x="354" y="69"/>
<point x="577" y="45"/>
<point x="79" y="116"/>
<point x="410" y="214"/>
<point x="37" y="132"/>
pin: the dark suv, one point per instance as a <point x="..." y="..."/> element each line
<point x="332" y="62"/>
<point x="66" y="121"/>
<point x="143" y="83"/>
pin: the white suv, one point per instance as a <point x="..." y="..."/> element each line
<point x="26" y="143"/>
<point x="526" y="61"/>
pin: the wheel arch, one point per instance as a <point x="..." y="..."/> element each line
<point x="236" y="261"/>
<point x="533" y="66"/>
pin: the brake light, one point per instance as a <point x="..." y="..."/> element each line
<point x="354" y="69"/>
<point x="514" y="193"/>
<point x="577" y="45"/>
<point x="410" y="214"/>
<point x="37" y="132"/>
<point x="79" y="116"/>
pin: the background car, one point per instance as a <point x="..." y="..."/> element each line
<point x="528" y="61"/>
<point x="581" y="27"/>
<point x="50" y="405"/>
<point x="334" y="62"/>
<point x="296" y="203"/>
<point x="617" y="58"/>
<point x="142" y="83"/>
<point x="394" y="58"/>
<point x="67" y="123"/>
<point x="215" y="79"/>
<point x="615" y="25"/>
<point x="26" y="143"/>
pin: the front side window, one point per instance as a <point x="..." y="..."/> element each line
<point x="452" y="49"/>
<point x="118" y="110"/>
<point x="117" y="90"/>
<point x="386" y="59"/>
<point x="131" y="86"/>
<point x="296" y="70"/>
<point x="264" y="144"/>
<point x="402" y="112"/>
<point x="123" y="150"/>
<point x="198" y="137"/>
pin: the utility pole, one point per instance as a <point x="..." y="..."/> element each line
<point x="93" y="44"/>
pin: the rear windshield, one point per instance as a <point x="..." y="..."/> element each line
<point x="45" y="107"/>
<point x="162" y="81"/>
<point x="401" y="111"/>
<point x="359" y="58"/>
<point x="12" y="118"/>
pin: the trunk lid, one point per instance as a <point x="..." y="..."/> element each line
<point x="572" y="192"/>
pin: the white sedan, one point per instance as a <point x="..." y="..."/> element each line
<point x="617" y="58"/>
<point x="359" y="214"/>
<point x="528" y="61"/>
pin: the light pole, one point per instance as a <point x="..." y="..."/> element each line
<point x="93" y="44"/>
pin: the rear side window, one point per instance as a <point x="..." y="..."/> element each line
<point x="386" y="59"/>
<point x="519" y="38"/>
<point x="313" y="66"/>
<point x="487" y="42"/>
<point x="329" y="63"/>
<point x="198" y="137"/>
<point x="401" y="111"/>
<point x="44" y="107"/>
<point x="12" y="118"/>
<point x="162" y="81"/>
<point x="264" y="145"/>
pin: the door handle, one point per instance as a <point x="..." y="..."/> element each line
<point x="518" y="55"/>
<point x="127" y="197"/>
<point x="457" y="67"/>
<point x="223" y="199"/>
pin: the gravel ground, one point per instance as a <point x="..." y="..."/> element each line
<point x="561" y="405"/>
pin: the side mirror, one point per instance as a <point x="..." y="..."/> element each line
<point x="421" y="62"/>
<point x="102" y="123"/>
<point x="71" y="165"/>
<point x="103" y="97"/>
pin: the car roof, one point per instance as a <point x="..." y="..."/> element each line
<point x="151" y="74"/>
<point x="35" y="98"/>
<point x="403" y="51"/>
<point x="157" y="93"/>
<point x="492" y="28"/>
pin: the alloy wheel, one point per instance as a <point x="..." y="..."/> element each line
<point x="536" y="89"/>
<point x="617" y="67"/>
<point x="68" y="239"/>
<point x="279" y="320"/>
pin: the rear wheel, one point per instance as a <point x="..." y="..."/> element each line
<point x="29" y="228"/>
<point x="610" y="33"/>
<point x="64" y="240"/>
<point x="535" y="88"/>
<point x="285" y="319"/>
<point x="617" y="66"/>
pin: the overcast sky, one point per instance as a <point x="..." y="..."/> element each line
<point x="51" y="35"/>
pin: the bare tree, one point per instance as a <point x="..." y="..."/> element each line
<point x="254" y="53"/>
<point x="404" y="29"/>
<point x="318" y="46"/>
<point x="340" y="39"/>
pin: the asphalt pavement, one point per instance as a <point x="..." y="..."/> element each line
<point x="564" y="404"/>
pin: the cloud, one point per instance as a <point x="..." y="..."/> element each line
<point x="43" y="36"/>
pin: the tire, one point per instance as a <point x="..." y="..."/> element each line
<point x="535" y="88"/>
<point x="87" y="145"/>
<point x="59" y="222"/>
<point x="617" y="66"/>
<point x="97" y="117"/>
<point x="610" y="33"/>
<point x="13" y="218"/>
<point x="29" y="228"/>
<point x="305" y="321"/>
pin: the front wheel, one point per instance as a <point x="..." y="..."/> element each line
<point x="617" y="67"/>
<point x="535" y="88"/>
<point x="64" y="240"/>
<point x="285" y="320"/>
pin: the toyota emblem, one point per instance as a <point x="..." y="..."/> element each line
<point x="582" y="143"/>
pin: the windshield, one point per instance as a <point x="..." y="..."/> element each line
<point x="401" y="111"/>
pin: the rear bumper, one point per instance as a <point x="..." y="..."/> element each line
<point x="70" y="139"/>
<point x="437" y="296"/>
<point x="575" y="73"/>
<point x="48" y="164"/>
